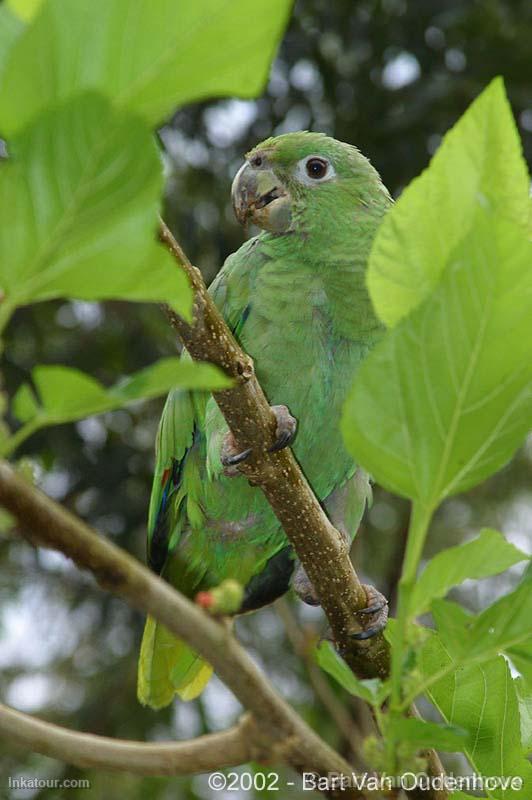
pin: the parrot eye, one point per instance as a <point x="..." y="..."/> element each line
<point x="316" y="168"/>
<point x="256" y="161"/>
<point x="313" y="170"/>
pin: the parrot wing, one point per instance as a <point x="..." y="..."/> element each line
<point x="176" y="489"/>
<point x="175" y="437"/>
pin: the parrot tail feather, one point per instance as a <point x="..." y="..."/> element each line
<point x="168" y="666"/>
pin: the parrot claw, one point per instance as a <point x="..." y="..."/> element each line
<point x="377" y="610"/>
<point x="231" y="461"/>
<point x="286" y="428"/>
<point x="284" y="432"/>
<point x="231" y="457"/>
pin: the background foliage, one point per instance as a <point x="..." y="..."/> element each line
<point x="389" y="76"/>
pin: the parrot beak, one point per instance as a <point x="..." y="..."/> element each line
<point x="259" y="197"/>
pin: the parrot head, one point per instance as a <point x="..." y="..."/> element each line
<point x="304" y="181"/>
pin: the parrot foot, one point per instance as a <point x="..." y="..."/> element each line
<point x="375" y="614"/>
<point x="303" y="587"/>
<point x="285" y="432"/>
<point x="286" y="428"/>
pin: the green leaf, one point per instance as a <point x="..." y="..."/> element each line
<point x="446" y="397"/>
<point x="146" y="56"/>
<point x="524" y="696"/>
<point x="464" y="796"/>
<point x="521" y="657"/>
<point x="79" y="203"/>
<point x="170" y="373"/>
<point x="10" y="29"/>
<point x="479" y="160"/>
<point x="66" y="394"/>
<point x="482" y="700"/>
<point x="428" y="734"/>
<point x="502" y="626"/>
<point x="390" y="632"/>
<point x="373" y="690"/>
<point x="24" y="405"/>
<point x="24" y="9"/>
<point x="487" y="555"/>
<point x="452" y="622"/>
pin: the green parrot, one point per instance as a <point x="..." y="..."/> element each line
<point x="295" y="298"/>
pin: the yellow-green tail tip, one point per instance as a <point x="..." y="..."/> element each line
<point x="168" y="666"/>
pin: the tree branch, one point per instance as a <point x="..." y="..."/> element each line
<point x="319" y="546"/>
<point x="204" y="754"/>
<point x="280" y="734"/>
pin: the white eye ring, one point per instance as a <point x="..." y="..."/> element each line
<point x="311" y="164"/>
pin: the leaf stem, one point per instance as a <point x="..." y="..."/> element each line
<point x="24" y="432"/>
<point x="417" y="533"/>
